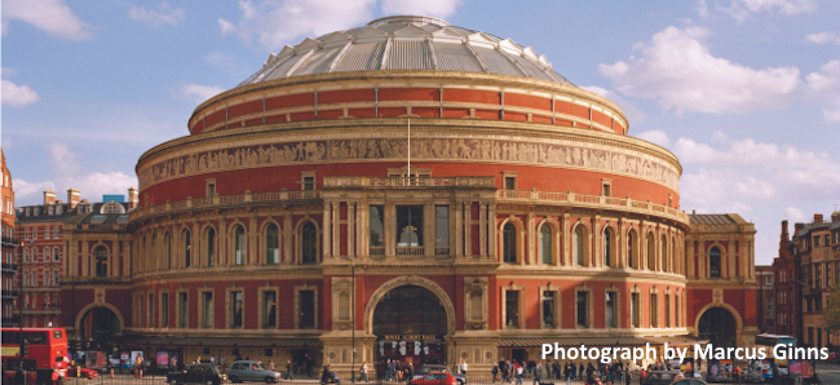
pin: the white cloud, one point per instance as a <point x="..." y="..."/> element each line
<point x="634" y="114"/>
<point x="434" y="8"/>
<point x="196" y="92"/>
<point x="274" y="23"/>
<point x="166" y="15"/>
<point x="678" y="70"/>
<point x="226" y="26"/>
<point x="51" y="16"/>
<point x="795" y="214"/>
<point x="658" y="137"/>
<point x="823" y="38"/>
<point x="742" y="9"/>
<point x="65" y="160"/>
<point x="15" y="95"/>
<point x="702" y="9"/>
<point x="825" y="86"/>
<point x="749" y="171"/>
<point x="92" y="186"/>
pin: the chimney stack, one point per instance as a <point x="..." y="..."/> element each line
<point x="818" y="218"/>
<point x="785" y="230"/>
<point x="49" y="197"/>
<point x="797" y="227"/>
<point x="73" y="197"/>
<point x="835" y="216"/>
<point x="133" y="198"/>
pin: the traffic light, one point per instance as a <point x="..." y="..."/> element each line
<point x="24" y="348"/>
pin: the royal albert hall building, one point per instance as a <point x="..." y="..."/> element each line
<point x="298" y="218"/>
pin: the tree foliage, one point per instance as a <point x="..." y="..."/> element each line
<point x="831" y="312"/>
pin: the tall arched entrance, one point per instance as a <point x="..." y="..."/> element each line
<point x="98" y="328"/>
<point x="410" y="323"/>
<point x="719" y="327"/>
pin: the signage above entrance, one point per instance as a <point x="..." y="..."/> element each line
<point x="410" y="337"/>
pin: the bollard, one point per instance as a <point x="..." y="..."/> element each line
<point x="112" y="372"/>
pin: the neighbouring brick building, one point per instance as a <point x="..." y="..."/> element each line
<point x="788" y="287"/>
<point x="765" y="299"/>
<point x="8" y="256"/>
<point x="815" y="250"/>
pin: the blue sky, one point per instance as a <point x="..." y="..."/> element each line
<point x="745" y="92"/>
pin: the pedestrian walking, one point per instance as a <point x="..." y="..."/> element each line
<point x="537" y="373"/>
<point x="464" y="368"/>
<point x="363" y="372"/>
<point x="289" y="370"/>
<point x="495" y="371"/>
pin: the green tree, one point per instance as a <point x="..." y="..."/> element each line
<point x="831" y="312"/>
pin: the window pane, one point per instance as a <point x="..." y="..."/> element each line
<point x="187" y="249"/>
<point x="211" y="246"/>
<point x="441" y="225"/>
<point x="240" y="246"/>
<point x="236" y="309"/>
<point x="579" y="245"/>
<point x="545" y="244"/>
<point x="377" y="228"/>
<point x="208" y="310"/>
<point x="548" y="309"/>
<point x="409" y="226"/>
<point x="610" y="315"/>
<point x="307" y="309"/>
<point x="714" y="263"/>
<point x="184" y="310"/>
<point x="270" y="306"/>
<point x="510" y="246"/>
<point x="309" y="243"/>
<point x="582" y="309"/>
<point x="607" y="248"/>
<point x="512" y="309"/>
<point x="272" y="245"/>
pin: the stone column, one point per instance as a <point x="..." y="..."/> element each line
<point x="482" y="229"/>
<point x="468" y="229"/>
<point x="390" y="228"/>
<point x="252" y="254"/>
<point x="459" y="229"/>
<point x="565" y="225"/>
<point x="491" y="231"/>
<point x="326" y="234"/>
<point x="596" y="236"/>
<point x="530" y="224"/>
<point x="351" y="233"/>
<point x="336" y="229"/>
<point x="288" y="257"/>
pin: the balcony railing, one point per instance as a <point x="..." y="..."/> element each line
<point x="10" y="241"/>
<point x="412" y="251"/>
<point x="599" y="201"/>
<point x="10" y="266"/>
<point x="397" y="181"/>
<point x="377" y="250"/>
<point x="226" y="200"/>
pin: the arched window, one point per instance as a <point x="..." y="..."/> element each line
<point x="632" y="249"/>
<point x="187" y="249"/>
<point x="272" y="245"/>
<point x="579" y="244"/>
<point x="609" y="257"/>
<point x="239" y="245"/>
<point x="101" y="255"/>
<point x="666" y="257"/>
<point x="509" y="243"/>
<point x="308" y="243"/>
<point x="55" y="254"/>
<point x="47" y="253"/>
<point x="167" y="243"/>
<point x="211" y="246"/>
<point x="545" y="244"/>
<point x="714" y="262"/>
<point x="651" y="251"/>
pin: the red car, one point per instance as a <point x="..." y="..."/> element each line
<point x="83" y="373"/>
<point x="436" y="378"/>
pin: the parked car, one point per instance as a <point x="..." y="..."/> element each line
<point x="689" y="381"/>
<point x="435" y="378"/>
<point x="197" y="374"/>
<point x="251" y="371"/>
<point x="83" y="373"/>
<point x="662" y="377"/>
<point x="428" y="369"/>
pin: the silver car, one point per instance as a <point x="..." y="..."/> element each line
<point x="251" y="371"/>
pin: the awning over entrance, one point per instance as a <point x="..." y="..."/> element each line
<point x="263" y="343"/>
<point x="536" y="342"/>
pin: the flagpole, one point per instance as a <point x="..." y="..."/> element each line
<point x="408" y="170"/>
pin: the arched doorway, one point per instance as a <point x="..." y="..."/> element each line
<point x="410" y="323"/>
<point x="719" y="327"/>
<point x="98" y="328"/>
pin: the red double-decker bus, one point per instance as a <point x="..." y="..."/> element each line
<point x="47" y="348"/>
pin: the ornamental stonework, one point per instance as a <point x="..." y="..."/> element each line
<point x="394" y="149"/>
